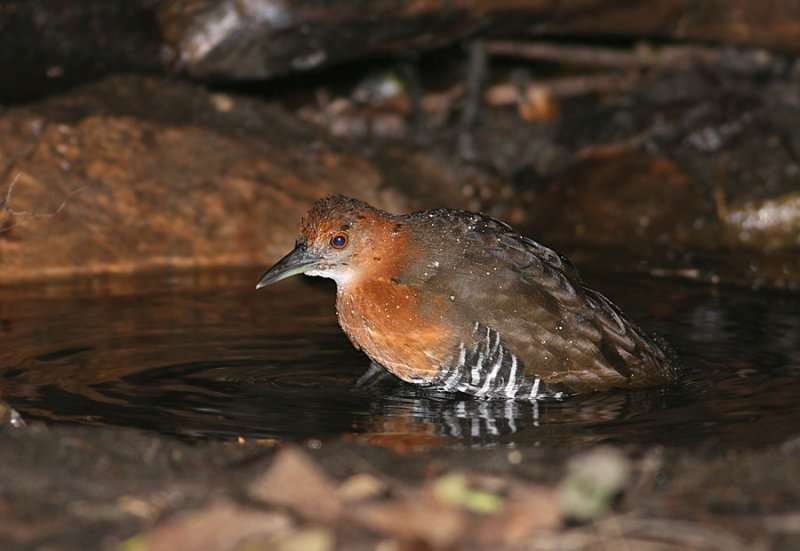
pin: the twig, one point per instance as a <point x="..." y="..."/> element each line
<point x="5" y="205"/>
<point x="476" y="76"/>
<point x="641" y="56"/>
<point x="719" y="189"/>
<point x="7" y="196"/>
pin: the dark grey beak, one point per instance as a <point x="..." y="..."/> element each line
<point x="296" y="262"/>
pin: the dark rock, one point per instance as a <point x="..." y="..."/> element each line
<point x="613" y="196"/>
<point x="263" y="38"/>
<point x="51" y="45"/>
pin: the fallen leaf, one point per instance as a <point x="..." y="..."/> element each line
<point x="220" y="527"/>
<point x="307" y="539"/>
<point x="455" y="490"/>
<point x="294" y="481"/>
<point x="415" y="517"/>
<point x="528" y="509"/>
<point x="593" y="481"/>
<point x="360" y="487"/>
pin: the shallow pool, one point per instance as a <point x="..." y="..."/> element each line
<point x="205" y="355"/>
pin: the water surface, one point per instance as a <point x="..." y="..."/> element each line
<point x="207" y="356"/>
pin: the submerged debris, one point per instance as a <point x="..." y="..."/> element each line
<point x="9" y="417"/>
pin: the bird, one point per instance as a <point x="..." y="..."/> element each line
<point x="457" y="301"/>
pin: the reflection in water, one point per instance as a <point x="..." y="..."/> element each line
<point x="400" y="418"/>
<point x="205" y="356"/>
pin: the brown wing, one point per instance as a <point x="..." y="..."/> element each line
<point x="532" y="296"/>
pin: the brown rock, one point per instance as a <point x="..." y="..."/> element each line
<point x="134" y="173"/>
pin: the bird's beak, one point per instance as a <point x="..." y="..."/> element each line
<point x="298" y="261"/>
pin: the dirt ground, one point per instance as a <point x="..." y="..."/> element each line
<point x="71" y="487"/>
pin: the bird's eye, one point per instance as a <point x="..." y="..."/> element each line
<point x="339" y="240"/>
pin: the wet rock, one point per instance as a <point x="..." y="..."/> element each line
<point x="132" y="174"/>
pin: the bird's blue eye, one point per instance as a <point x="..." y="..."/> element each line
<point x="339" y="240"/>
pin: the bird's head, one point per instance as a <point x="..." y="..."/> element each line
<point x="342" y="239"/>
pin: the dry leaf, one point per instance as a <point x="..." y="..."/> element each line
<point x="220" y="527"/>
<point x="294" y="481"/>
<point x="415" y="518"/>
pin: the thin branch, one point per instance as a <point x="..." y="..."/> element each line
<point x="641" y="56"/>
<point x="719" y="189"/>
<point x="5" y="205"/>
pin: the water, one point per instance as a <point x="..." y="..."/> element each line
<point x="206" y="356"/>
